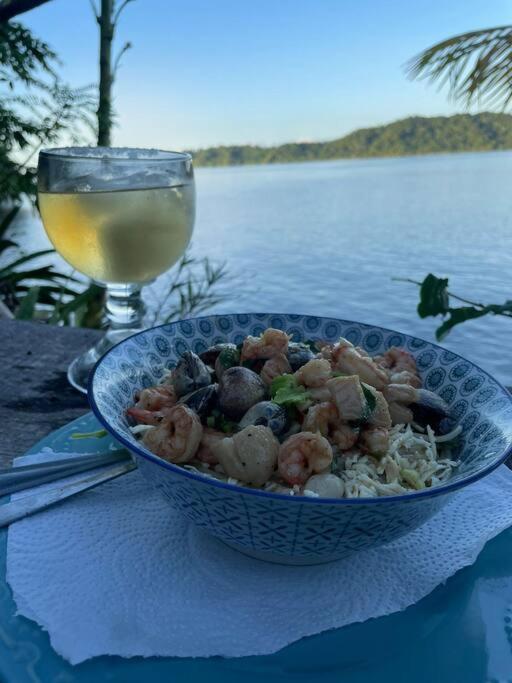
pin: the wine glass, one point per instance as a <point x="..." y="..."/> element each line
<point x="121" y="216"/>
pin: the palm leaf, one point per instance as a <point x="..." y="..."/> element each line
<point x="8" y="219"/>
<point x="27" y="306"/>
<point x="10" y="267"/>
<point x="473" y="65"/>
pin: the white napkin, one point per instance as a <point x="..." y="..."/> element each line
<point x="115" y="571"/>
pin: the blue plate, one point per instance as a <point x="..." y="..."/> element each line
<point x="462" y="632"/>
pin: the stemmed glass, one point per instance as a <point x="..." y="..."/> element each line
<point x="121" y="216"/>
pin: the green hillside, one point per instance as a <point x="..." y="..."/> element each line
<point x="414" y="135"/>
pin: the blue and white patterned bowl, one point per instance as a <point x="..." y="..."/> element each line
<point x="283" y="528"/>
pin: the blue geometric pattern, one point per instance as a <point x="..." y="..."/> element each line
<point x="284" y="528"/>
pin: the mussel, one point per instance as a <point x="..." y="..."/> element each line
<point x="299" y="354"/>
<point x="190" y="374"/>
<point x="407" y="403"/>
<point x="268" y="414"/>
<point x="211" y="354"/>
<point x="430" y="409"/>
<point x="239" y="389"/>
<point x="201" y="401"/>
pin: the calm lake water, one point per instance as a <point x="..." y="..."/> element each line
<point x="327" y="238"/>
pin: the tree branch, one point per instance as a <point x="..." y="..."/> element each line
<point x="11" y="8"/>
<point x="120" y="9"/>
<point x="124" y="49"/>
<point x="95" y="11"/>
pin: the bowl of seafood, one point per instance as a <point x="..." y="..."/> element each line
<point x="299" y="439"/>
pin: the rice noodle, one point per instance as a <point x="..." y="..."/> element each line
<point x="413" y="461"/>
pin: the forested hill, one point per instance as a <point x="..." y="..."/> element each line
<point x="414" y="135"/>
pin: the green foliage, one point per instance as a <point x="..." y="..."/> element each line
<point x="36" y="108"/>
<point x="414" y="135"/>
<point x="435" y="300"/>
<point x="192" y="290"/>
<point x="474" y="66"/>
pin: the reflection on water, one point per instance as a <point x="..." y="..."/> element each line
<point x="328" y="237"/>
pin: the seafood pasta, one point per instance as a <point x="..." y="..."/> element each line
<point x="313" y="419"/>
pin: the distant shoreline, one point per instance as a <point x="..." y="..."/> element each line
<point x="414" y="136"/>
<point x="365" y="158"/>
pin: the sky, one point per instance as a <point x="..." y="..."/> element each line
<point x="209" y="72"/>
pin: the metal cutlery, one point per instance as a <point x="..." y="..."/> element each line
<point x="14" y="479"/>
<point x="31" y="503"/>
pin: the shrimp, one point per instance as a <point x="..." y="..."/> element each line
<point x="274" y="367"/>
<point x="209" y="439"/>
<point x="345" y="436"/>
<point x="147" y="417"/>
<point x="271" y="343"/>
<point x="314" y="373"/>
<point x="156" y="398"/>
<point x="347" y="359"/>
<point x="374" y="441"/>
<point x="301" y="455"/>
<point x="323" y="418"/>
<point x="177" y="437"/>
<point x="400" y="366"/>
<point x="399" y="414"/>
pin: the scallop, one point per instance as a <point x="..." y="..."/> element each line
<point x="250" y="455"/>
<point x="325" y="486"/>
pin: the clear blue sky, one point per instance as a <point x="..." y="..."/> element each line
<point x="207" y="72"/>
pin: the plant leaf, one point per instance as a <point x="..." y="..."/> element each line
<point x="434" y="298"/>
<point x="27" y="306"/>
<point x="24" y="259"/>
<point x="8" y="219"/>
<point x="458" y="316"/>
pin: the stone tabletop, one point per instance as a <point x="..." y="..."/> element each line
<point x="35" y="397"/>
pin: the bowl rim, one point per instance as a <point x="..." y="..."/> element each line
<point x="269" y="495"/>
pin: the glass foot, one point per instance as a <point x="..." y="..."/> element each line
<point x="80" y="369"/>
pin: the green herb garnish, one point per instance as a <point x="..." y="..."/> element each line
<point x="286" y="391"/>
<point x="90" y="435"/>
<point x="371" y="401"/>
<point x="228" y="358"/>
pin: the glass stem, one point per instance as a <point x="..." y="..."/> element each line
<point x="124" y="308"/>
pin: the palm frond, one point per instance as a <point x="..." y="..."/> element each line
<point x="473" y="66"/>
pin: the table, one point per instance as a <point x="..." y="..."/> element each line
<point x="35" y="397"/>
<point x="465" y="625"/>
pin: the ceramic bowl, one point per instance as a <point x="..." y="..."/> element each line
<point x="301" y="530"/>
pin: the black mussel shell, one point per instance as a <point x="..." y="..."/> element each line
<point x="430" y="409"/>
<point x="190" y="374"/>
<point x="202" y="401"/>
<point x="298" y="355"/>
<point x="268" y="414"/>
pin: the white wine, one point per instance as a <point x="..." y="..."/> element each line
<point x="124" y="236"/>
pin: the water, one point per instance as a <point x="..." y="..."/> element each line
<point x="327" y="238"/>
